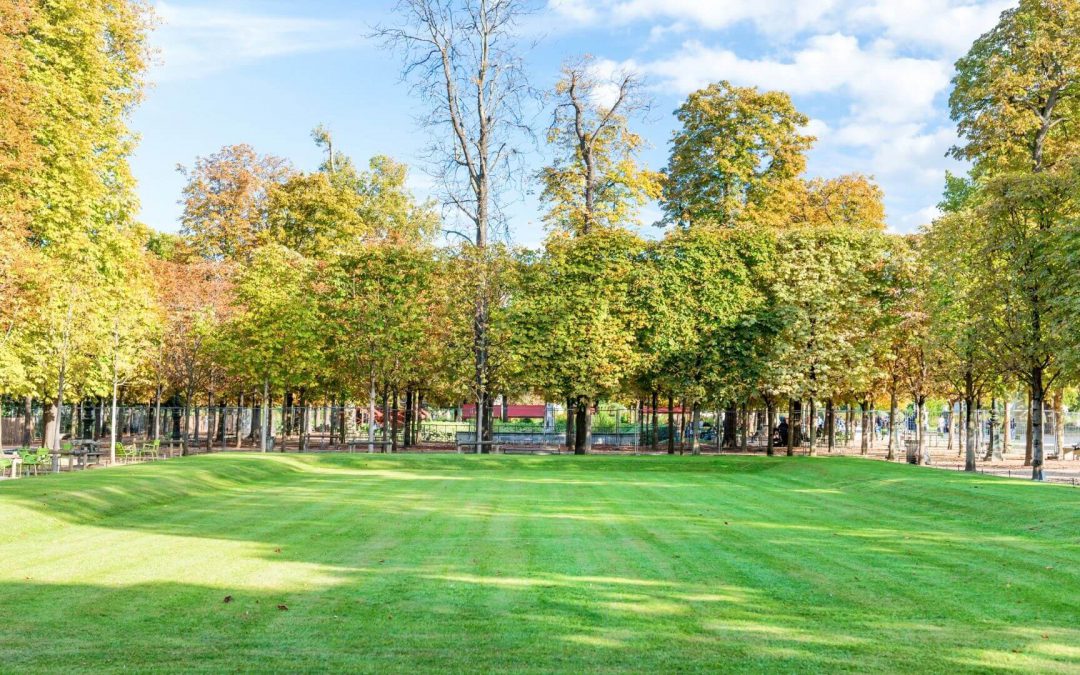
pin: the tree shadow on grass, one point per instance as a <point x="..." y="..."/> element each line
<point x="399" y="619"/>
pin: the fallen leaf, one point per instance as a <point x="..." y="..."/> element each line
<point x="283" y="608"/>
<point x="277" y="550"/>
<point x="228" y="599"/>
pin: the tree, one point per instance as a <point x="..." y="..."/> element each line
<point x="736" y="155"/>
<point x="853" y="201"/>
<point x="1016" y="93"/>
<point x="194" y="297"/>
<point x="1025" y="219"/>
<point x="960" y="321"/>
<point x="712" y="324"/>
<point x="596" y="180"/>
<point x="132" y="326"/>
<point x="274" y="333"/>
<point x="462" y="57"/>
<point x="1016" y="99"/>
<point x="227" y="201"/>
<point x="87" y="61"/>
<point x="19" y="117"/>
<point x="574" y="322"/>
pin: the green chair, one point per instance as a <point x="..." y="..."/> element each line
<point x="33" y="460"/>
<point x="125" y="453"/>
<point x="150" y="450"/>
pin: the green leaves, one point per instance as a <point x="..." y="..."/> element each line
<point x="738" y="152"/>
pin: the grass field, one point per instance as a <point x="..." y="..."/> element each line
<point x="354" y="562"/>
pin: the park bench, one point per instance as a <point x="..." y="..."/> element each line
<point x="493" y="447"/>
<point x="529" y="450"/>
<point x="1071" y="453"/>
<point x="361" y="445"/>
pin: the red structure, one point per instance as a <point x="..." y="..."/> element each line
<point x="513" y="412"/>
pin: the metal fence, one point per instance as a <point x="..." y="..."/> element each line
<point x="615" y="427"/>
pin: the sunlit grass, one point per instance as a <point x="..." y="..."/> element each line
<point x="386" y="563"/>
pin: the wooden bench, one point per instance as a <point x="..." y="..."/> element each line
<point x="363" y="444"/>
<point x="493" y="447"/>
<point x="530" y="450"/>
<point x="1074" y="451"/>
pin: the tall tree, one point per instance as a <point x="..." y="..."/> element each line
<point x="596" y="180"/>
<point x="1016" y="96"/>
<point x="462" y="56"/>
<point x="1016" y="101"/>
<point x="87" y="61"/>
<point x="575" y="322"/>
<point x="19" y="154"/>
<point x="738" y="152"/>
<point x="227" y="201"/>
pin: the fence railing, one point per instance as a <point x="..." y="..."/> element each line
<point x="315" y="427"/>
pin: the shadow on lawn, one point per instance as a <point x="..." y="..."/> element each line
<point x="809" y="598"/>
<point x="466" y="622"/>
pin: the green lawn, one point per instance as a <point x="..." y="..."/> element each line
<point x="536" y="564"/>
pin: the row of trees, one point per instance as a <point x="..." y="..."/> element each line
<point x="768" y="288"/>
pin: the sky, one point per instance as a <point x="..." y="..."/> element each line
<point x="872" y="75"/>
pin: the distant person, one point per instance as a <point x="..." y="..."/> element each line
<point x="782" y="431"/>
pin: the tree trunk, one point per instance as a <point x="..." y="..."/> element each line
<point x="830" y="424"/>
<point x="264" y="419"/>
<point x="28" y="421"/>
<point x="372" y="394"/>
<point x="695" y="421"/>
<point x="812" y="429"/>
<point x="408" y="416"/>
<point x="112" y="423"/>
<point x="1037" y="392"/>
<point x="770" y="415"/>
<point x="744" y="440"/>
<point x="394" y="422"/>
<point x="1006" y="426"/>
<point x="867" y="429"/>
<point x="655" y="419"/>
<point x="671" y="424"/>
<point x="1027" y="438"/>
<point x="1059" y="422"/>
<point x="386" y="419"/>
<point x="583" y="427"/>
<point x="571" y="412"/>
<point x="969" y="428"/>
<point x="924" y="428"/>
<point x="792" y="425"/>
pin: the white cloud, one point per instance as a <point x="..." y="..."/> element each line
<point x="878" y="83"/>
<point x="575" y="10"/>
<point x="773" y="16"/>
<point x="948" y="26"/>
<point x="198" y="40"/>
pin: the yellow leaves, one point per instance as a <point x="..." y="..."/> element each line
<point x="737" y="148"/>
<point x="227" y="201"/>
<point x="1017" y="91"/>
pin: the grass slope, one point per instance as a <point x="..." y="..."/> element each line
<point x="536" y="564"/>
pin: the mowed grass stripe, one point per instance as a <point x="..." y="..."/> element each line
<point x="537" y="564"/>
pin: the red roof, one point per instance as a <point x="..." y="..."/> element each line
<point x="513" y="411"/>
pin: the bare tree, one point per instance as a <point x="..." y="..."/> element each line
<point x="462" y="57"/>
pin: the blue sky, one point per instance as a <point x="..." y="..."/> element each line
<point x="873" y="75"/>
